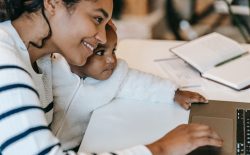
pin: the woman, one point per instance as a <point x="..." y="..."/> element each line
<point x="72" y="28"/>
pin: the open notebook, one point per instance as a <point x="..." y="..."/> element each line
<point x="218" y="58"/>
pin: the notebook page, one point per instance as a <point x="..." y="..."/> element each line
<point x="180" y="72"/>
<point x="234" y="73"/>
<point x="205" y="52"/>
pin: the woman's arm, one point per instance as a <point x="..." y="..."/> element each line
<point x="24" y="129"/>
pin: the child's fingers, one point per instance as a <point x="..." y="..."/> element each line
<point x="203" y="99"/>
<point x="186" y="98"/>
<point x="186" y="105"/>
<point x="198" y="98"/>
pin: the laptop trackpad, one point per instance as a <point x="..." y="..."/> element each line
<point x="223" y="126"/>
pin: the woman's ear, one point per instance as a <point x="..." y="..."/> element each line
<point x="51" y="5"/>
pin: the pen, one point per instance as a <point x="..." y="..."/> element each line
<point x="190" y="86"/>
<point x="228" y="60"/>
<point x="164" y="59"/>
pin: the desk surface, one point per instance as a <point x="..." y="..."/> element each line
<point x="140" y="54"/>
<point x="135" y="128"/>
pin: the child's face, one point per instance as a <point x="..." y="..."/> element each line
<point x="102" y="63"/>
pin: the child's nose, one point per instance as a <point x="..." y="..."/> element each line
<point x="110" y="59"/>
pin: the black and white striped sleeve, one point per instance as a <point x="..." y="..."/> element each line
<point x="24" y="129"/>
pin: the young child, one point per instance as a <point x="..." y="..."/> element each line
<point x="100" y="81"/>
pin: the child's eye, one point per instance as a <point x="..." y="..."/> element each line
<point x="100" y="52"/>
<point x="98" y="20"/>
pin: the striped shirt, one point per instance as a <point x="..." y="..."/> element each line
<point x="26" y="103"/>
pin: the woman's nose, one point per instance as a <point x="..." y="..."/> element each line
<point x="101" y="36"/>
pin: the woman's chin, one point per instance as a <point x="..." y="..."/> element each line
<point x="82" y="60"/>
<point x="78" y="62"/>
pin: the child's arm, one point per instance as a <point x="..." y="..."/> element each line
<point x="186" y="98"/>
<point x="143" y="86"/>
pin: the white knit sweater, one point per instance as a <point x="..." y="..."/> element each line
<point x="76" y="99"/>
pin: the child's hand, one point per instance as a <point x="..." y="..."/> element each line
<point x="185" y="98"/>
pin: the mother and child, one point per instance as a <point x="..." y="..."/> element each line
<point x="30" y="32"/>
<point x="101" y="81"/>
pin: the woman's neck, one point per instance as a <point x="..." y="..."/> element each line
<point x="33" y="28"/>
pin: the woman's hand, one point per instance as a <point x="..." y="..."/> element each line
<point x="186" y="98"/>
<point x="184" y="139"/>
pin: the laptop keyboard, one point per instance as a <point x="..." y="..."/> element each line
<point x="243" y="132"/>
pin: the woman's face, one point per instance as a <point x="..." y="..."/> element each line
<point x="102" y="63"/>
<point x="77" y="30"/>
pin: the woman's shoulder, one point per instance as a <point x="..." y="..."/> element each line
<point x="5" y="33"/>
<point x="8" y="51"/>
<point x="7" y="44"/>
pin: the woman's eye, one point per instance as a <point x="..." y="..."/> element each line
<point x="100" y="53"/>
<point x="98" y="20"/>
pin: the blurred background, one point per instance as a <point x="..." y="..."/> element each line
<point x="182" y="19"/>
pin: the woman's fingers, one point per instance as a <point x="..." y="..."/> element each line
<point x="204" y="135"/>
<point x="198" y="135"/>
<point x="185" y="138"/>
<point x="206" y="141"/>
<point x="205" y="131"/>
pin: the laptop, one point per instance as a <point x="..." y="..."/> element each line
<point x="231" y="120"/>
